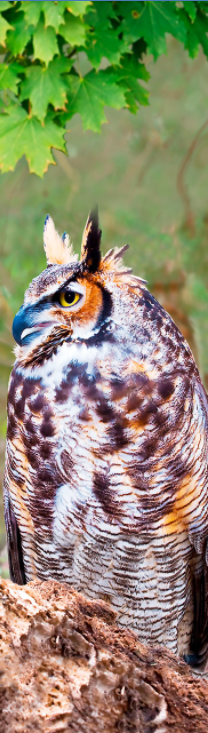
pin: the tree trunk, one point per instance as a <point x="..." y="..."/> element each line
<point x="66" y="666"/>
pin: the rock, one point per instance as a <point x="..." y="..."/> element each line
<point x="66" y="666"/>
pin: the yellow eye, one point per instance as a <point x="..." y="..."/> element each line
<point x="67" y="298"/>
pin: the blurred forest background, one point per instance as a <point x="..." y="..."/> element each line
<point x="150" y="183"/>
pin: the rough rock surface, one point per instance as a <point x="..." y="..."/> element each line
<point x="66" y="666"/>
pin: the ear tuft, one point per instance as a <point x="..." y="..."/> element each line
<point x="58" y="249"/>
<point x="65" y="239"/>
<point x="90" y="250"/>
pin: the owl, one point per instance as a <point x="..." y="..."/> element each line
<point x="106" y="461"/>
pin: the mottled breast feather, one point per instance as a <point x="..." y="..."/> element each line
<point x="106" y="464"/>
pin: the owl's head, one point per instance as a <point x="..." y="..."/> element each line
<point x="71" y="299"/>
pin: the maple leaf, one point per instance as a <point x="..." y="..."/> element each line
<point x="45" y="42"/>
<point x="20" y="35"/>
<point x="77" y="8"/>
<point x="203" y="6"/>
<point x="196" y="32"/>
<point x="4" y="6"/>
<point x="21" y="134"/>
<point x="73" y="30"/>
<point x="151" y="21"/>
<point x="200" y="27"/>
<point x="54" y="13"/>
<point x="118" y="31"/>
<point x="192" y="40"/>
<point x="88" y="96"/>
<point x="102" y="39"/>
<point x="127" y="74"/>
<point x="4" y="27"/>
<point x="190" y="8"/>
<point x="45" y="86"/>
<point x="32" y="11"/>
<point x="9" y="78"/>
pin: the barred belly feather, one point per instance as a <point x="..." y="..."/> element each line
<point x="106" y="467"/>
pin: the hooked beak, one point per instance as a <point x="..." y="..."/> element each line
<point x="27" y="324"/>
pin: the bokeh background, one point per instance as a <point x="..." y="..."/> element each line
<point x="148" y="174"/>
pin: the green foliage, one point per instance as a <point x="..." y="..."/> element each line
<point x="45" y="85"/>
<point x="9" y="76"/>
<point x="152" y="22"/>
<point x="89" y="95"/>
<point x="4" y="26"/>
<point x="62" y="58"/>
<point x="45" y="42"/>
<point x="22" y="134"/>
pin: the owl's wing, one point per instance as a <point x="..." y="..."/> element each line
<point x="14" y="546"/>
<point x="199" y="532"/>
<point x="199" y="637"/>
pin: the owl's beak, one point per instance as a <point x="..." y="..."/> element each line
<point x="27" y="324"/>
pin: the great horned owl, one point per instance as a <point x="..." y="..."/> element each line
<point x="106" y="464"/>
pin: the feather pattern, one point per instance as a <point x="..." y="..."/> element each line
<point x="106" y="466"/>
<point x="90" y="249"/>
<point x="58" y="249"/>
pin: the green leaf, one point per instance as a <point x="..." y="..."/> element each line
<point x="9" y="76"/>
<point x="192" y="40"/>
<point x="128" y="73"/>
<point x="102" y="39"/>
<point x="151" y="21"/>
<point x="18" y="38"/>
<point x="106" y="45"/>
<point x="190" y="8"/>
<point x="45" y="42"/>
<point x="118" y="31"/>
<point x="4" y="27"/>
<point x="54" y="13"/>
<point x="130" y="24"/>
<point x="77" y="8"/>
<point x="203" y="6"/>
<point x="103" y="10"/>
<point x="196" y="33"/>
<point x="73" y="31"/>
<point x="45" y="86"/>
<point x="200" y="28"/>
<point x="90" y="94"/>
<point x="192" y="43"/>
<point x="24" y="135"/>
<point x="32" y="11"/>
<point x="4" y="6"/>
